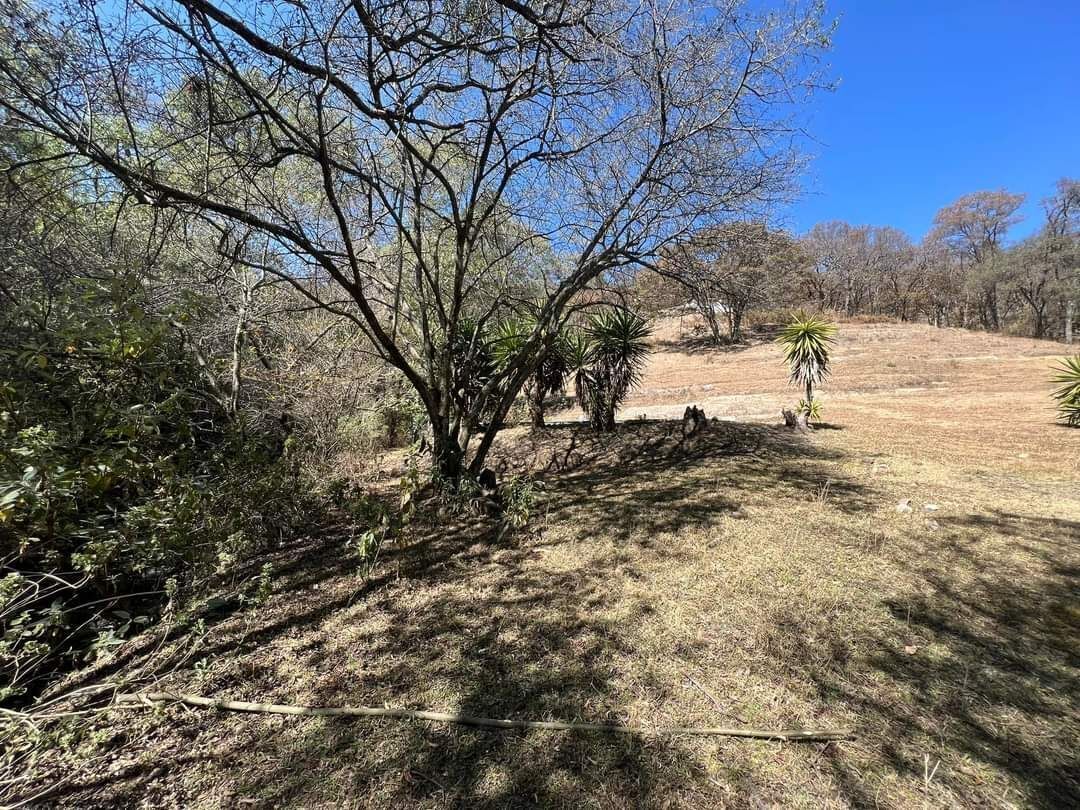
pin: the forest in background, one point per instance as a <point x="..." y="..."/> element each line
<point x="967" y="272"/>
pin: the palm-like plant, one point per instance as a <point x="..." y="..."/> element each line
<point x="507" y="340"/>
<point x="606" y="360"/>
<point x="806" y="342"/>
<point x="618" y="351"/>
<point x="472" y="359"/>
<point x="549" y="375"/>
<point x="1068" y="395"/>
<point x="577" y="349"/>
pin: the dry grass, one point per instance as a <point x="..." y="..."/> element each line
<point x="744" y="576"/>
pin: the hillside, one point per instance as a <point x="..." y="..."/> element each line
<point x="979" y="399"/>
<point x="910" y="572"/>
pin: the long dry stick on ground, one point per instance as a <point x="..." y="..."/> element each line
<point x="791" y="735"/>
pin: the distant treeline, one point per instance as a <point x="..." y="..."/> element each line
<point x="965" y="273"/>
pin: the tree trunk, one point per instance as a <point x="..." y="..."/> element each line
<point x="596" y="418"/>
<point x="237" y="358"/>
<point x="1069" y="307"/>
<point x="992" y="308"/>
<point x="609" y="417"/>
<point x="446" y="452"/>
<point x="535" y="400"/>
<point x="709" y="314"/>
<point x="796" y="421"/>
<point x="735" y="320"/>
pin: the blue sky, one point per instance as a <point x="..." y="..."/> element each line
<point x="937" y="99"/>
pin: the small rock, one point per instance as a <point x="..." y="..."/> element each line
<point x="911" y="649"/>
<point x="931" y="507"/>
<point x="932" y="525"/>
<point x="904" y="505"/>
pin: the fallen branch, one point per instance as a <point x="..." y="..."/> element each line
<point x="791" y="735"/>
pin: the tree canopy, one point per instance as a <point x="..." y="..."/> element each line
<point x="410" y="165"/>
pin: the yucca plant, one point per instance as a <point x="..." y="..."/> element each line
<point x="549" y="375"/>
<point x="807" y="341"/>
<point x="507" y="340"/>
<point x="811" y="409"/>
<point x="1068" y="395"/>
<point x="472" y="359"/>
<point x="577" y="349"/>
<point x="618" y="351"/>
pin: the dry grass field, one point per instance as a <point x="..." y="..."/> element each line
<point x="744" y="576"/>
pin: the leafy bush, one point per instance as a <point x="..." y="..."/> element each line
<point x="118" y="474"/>
<point x="519" y="495"/>
<point x="393" y="419"/>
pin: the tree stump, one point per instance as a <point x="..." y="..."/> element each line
<point x="693" y="421"/>
<point x="489" y="500"/>
<point x="796" y="421"/>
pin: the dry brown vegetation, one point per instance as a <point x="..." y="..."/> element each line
<point x="746" y="575"/>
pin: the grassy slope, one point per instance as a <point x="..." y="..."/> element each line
<point x="745" y="576"/>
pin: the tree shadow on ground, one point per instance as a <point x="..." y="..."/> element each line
<point x="460" y="622"/>
<point x="695" y="345"/>
<point x="460" y="615"/>
<point x="651" y="476"/>
<point x="974" y="667"/>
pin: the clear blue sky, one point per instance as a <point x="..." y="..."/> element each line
<point x="938" y="99"/>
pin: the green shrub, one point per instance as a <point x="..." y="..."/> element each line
<point x="519" y="496"/>
<point x="120" y="480"/>
<point x="395" y="419"/>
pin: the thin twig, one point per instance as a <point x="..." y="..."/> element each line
<point x="150" y="698"/>
<point x="715" y="701"/>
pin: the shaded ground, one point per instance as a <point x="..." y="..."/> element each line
<point x="743" y="576"/>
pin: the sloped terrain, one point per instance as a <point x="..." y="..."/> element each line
<point x="742" y="576"/>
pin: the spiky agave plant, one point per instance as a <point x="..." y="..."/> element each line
<point x="619" y="351"/>
<point x="1068" y="395"/>
<point x="549" y="375"/>
<point x="807" y="342"/>
<point x="472" y="359"/>
<point x="577" y="349"/>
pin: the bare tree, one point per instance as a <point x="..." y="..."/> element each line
<point x="838" y="273"/>
<point x="1062" y="245"/>
<point x="975" y="227"/>
<point x="414" y="167"/>
<point x="729" y="269"/>
<point x="1029" y="276"/>
<point x="905" y="275"/>
<point x="942" y="293"/>
<point x="860" y="268"/>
